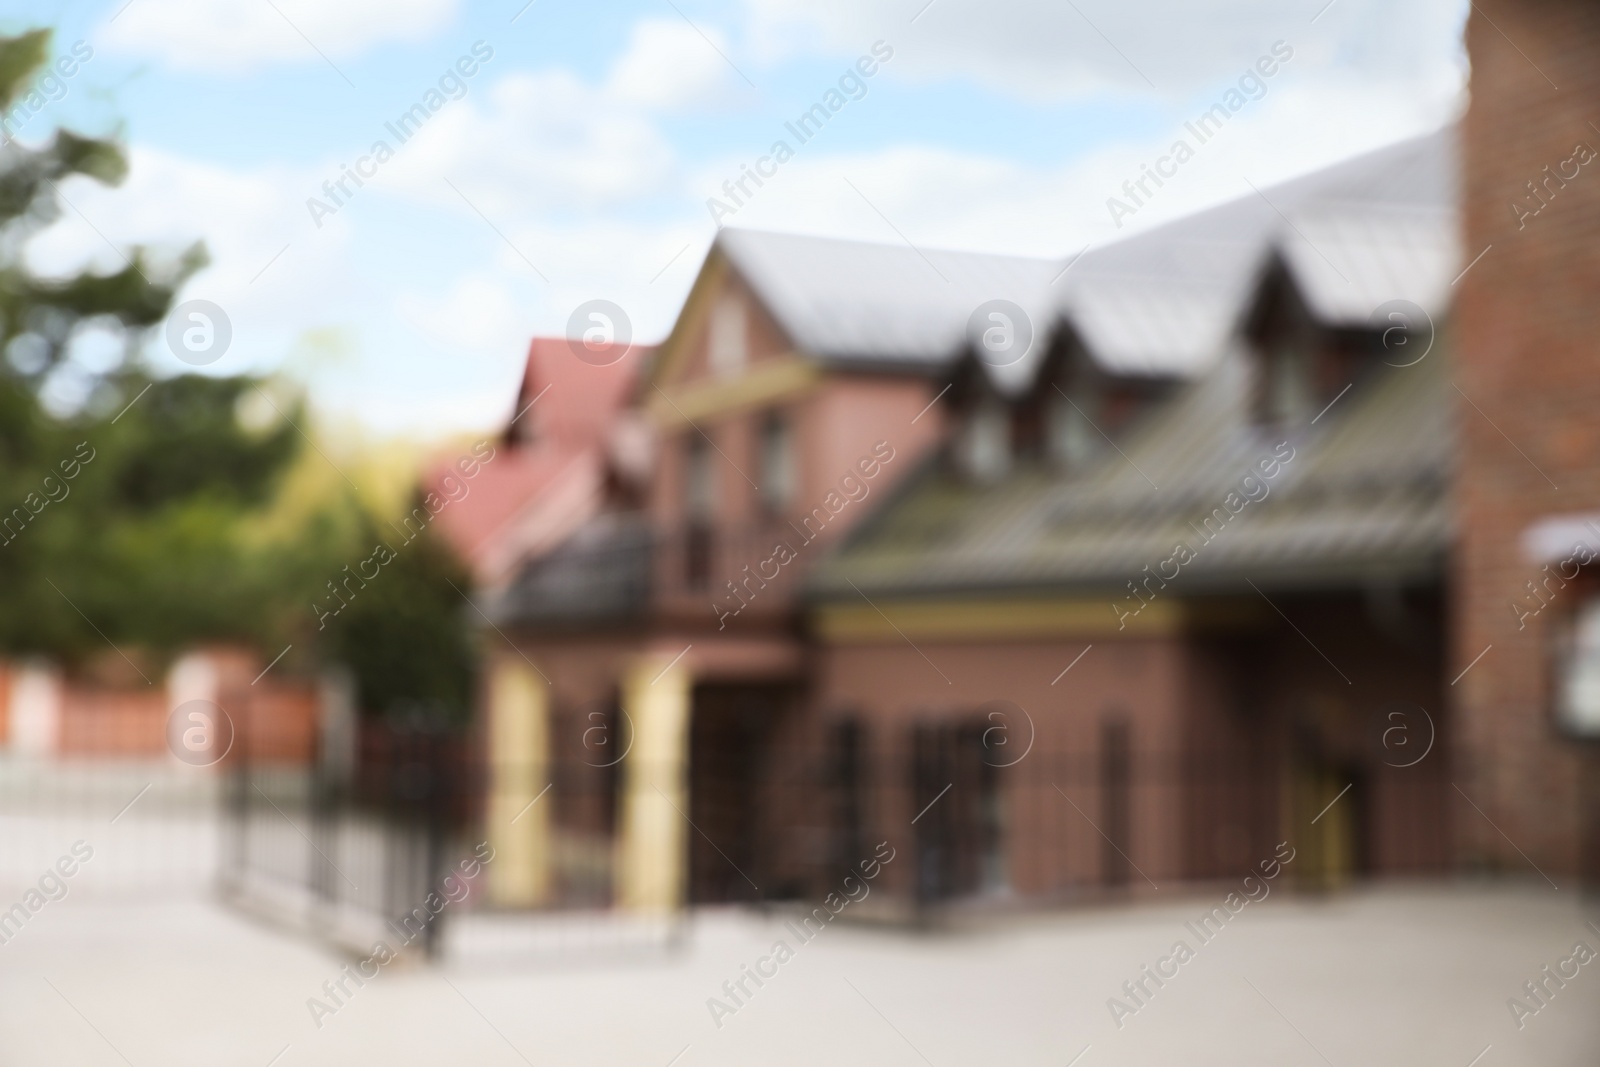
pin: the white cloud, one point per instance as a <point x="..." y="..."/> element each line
<point x="644" y="268"/>
<point x="377" y="342"/>
<point x="1046" y="49"/>
<point x="948" y="198"/>
<point x="581" y="174"/>
<point x="548" y="140"/>
<point x="539" y="142"/>
<point x="245" y="35"/>
<point x="478" y="314"/>
<point x="245" y="218"/>
<point x="668" y="65"/>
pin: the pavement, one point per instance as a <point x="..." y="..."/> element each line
<point x="1398" y="975"/>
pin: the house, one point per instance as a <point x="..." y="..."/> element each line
<point x="783" y="407"/>
<point x="1194" y="604"/>
<point x="1170" y="519"/>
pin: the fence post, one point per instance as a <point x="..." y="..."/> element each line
<point x="331" y="771"/>
<point x="237" y="863"/>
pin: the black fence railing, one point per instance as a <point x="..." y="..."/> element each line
<point x="355" y="849"/>
<point x="619" y="566"/>
<point x="762" y="824"/>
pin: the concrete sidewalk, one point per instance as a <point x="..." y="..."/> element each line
<point x="1393" y="976"/>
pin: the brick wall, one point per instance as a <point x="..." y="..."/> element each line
<point x="275" y="720"/>
<point x="1526" y="352"/>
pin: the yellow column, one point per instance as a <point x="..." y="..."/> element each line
<point x="652" y="854"/>
<point x="519" y="760"/>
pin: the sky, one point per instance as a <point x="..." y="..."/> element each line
<point x="585" y="154"/>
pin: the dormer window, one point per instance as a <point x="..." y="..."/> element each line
<point x="985" y="444"/>
<point x="1289" y="385"/>
<point x="1071" y="437"/>
<point x="728" y="342"/>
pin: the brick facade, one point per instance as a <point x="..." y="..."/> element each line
<point x="1528" y="418"/>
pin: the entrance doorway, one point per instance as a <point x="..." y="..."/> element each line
<point x="731" y="799"/>
<point x="1329" y="813"/>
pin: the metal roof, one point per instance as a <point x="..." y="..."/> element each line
<point x="1165" y="302"/>
<point x="1364" y="497"/>
<point x="853" y="301"/>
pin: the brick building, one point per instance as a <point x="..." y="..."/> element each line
<point x="895" y="495"/>
<point x="1241" y="563"/>
<point x="1528" y="478"/>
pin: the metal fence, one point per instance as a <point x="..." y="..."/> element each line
<point x="352" y="849"/>
<point x="354" y="854"/>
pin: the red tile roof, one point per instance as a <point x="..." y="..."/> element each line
<point x="585" y="392"/>
<point x="549" y="468"/>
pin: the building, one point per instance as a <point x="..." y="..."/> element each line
<point x="1523" y="587"/>
<point x="766" y="406"/>
<point x="1203" y="572"/>
<point x="568" y="433"/>
<point x="894" y="496"/>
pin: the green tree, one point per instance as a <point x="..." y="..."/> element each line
<point x="405" y="636"/>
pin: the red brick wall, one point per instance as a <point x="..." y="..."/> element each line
<point x="112" y="722"/>
<point x="280" y="724"/>
<point x="276" y="723"/>
<point x="1526" y="343"/>
<point x="1051" y="849"/>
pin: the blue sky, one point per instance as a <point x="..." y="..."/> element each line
<point x="579" y="161"/>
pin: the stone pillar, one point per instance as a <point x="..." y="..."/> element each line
<point x="653" y="851"/>
<point x="35" y="710"/>
<point x="518" y="829"/>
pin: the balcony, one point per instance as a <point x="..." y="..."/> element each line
<point x="621" y="568"/>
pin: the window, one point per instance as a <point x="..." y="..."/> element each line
<point x="1116" y="797"/>
<point x="700" y="495"/>
<point x="1072" y="439"/>
<point x="1289" y="384"/>
<point x="986" y="441"/>
<point x="1578" y="673"/>
<point x="728" y="341"/>
<point x="850" y="783"/>
<point x="700" y="503"/>
<point x="777" y="463"/>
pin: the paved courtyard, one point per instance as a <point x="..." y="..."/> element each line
<point x="1396" y="976"/>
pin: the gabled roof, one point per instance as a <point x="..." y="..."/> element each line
<point x="1164" y="302"/>
<point x="585" y="393"/>
<point x="853" y="302"/>
<point x="549" y="473"/>
<point x="1376" y="227"/>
